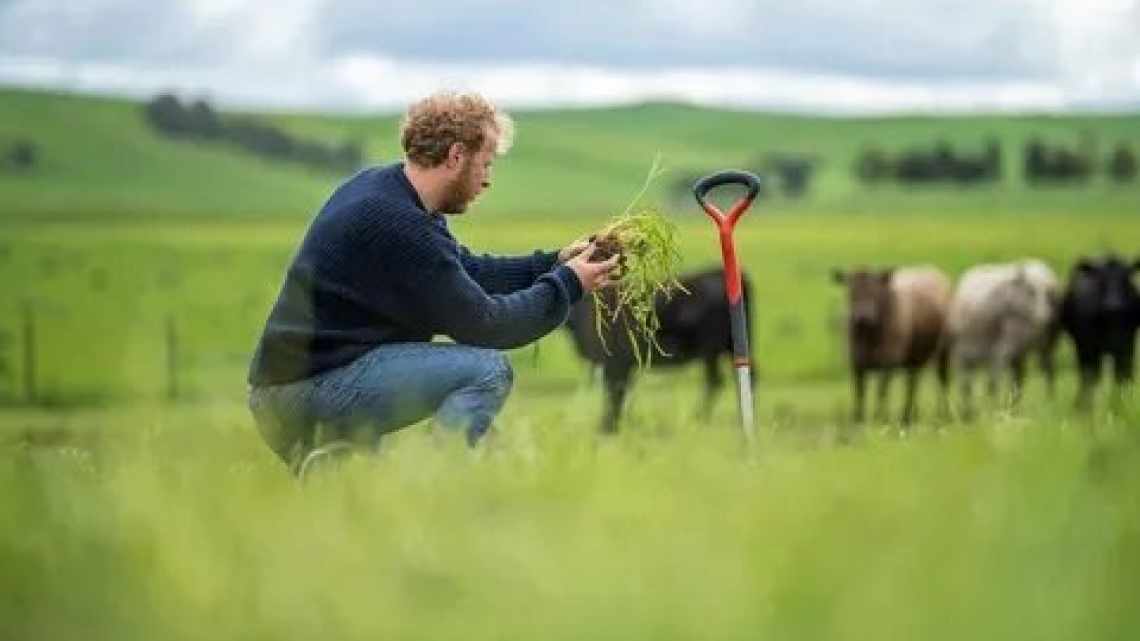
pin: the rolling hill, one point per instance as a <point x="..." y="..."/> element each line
<point x="99" y="157"/>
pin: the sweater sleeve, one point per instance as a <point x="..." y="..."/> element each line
<point x="506" y="274"/>
<point x="439" y="294"/>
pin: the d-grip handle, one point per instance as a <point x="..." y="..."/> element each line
<point x="728" y="177"/>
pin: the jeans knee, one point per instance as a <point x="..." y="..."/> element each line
<point x="504" y="373"/>
<point x="284" y="433"/>
<point x="500" y="374"/>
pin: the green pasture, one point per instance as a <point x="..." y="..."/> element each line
<point x="128" y="514"/>
<point x="104" y="296"/>
<point x="149" y="523"/>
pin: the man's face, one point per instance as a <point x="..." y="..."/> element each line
<point x="471" y="178"/>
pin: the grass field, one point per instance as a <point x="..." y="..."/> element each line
<point x="183" y="528"/>
<point x="127" y="516"/>
<point x="103" y="292"/>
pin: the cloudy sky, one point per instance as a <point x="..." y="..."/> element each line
<point x="838" y="56"/>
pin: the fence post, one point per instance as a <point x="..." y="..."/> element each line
<point x="171" y="359"/>
<point x="29" y="314"/>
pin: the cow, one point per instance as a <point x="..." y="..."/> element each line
<point x="1100" y="311"/>
<point x="694" y="325"/>
<point x="895" y="319"/>
<point x="999" y="315"/>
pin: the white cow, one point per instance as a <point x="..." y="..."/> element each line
<point x="1001" y="313"/>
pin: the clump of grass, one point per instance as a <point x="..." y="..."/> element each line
<point x="650" y="260"/>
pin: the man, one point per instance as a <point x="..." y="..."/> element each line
<point x="346" y="354"/>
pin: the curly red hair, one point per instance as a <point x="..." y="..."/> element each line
<point x="433" y="124"/>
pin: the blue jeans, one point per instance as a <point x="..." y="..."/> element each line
<point x="388" y="388"/>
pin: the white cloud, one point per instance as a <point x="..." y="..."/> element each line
<point x="381" y="83"/>
<point x="820" y="55"/>
<point x="713" y="19"/>
<point x="373" y="83"/>
<point x="1099" y="47"/>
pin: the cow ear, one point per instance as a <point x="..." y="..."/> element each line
<point x="1085" y="265"/>
<point x="886" y="275"/>
<point x="1136" y="265"/>
<point x="838" y="276"/>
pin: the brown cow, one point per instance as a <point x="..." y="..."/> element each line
<point x="896" y="318"/>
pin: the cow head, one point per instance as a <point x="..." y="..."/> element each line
<point x="869" y="299"/>
<point x="1025" y="297"/>
<point x="1110" y="279"/>
<point x="1120" y="297"/>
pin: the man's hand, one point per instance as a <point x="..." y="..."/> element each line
<point x="573" y="249"/>
<point x="593" y="275"/>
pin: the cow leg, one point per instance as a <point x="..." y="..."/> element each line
<point x="859" y="385"/>
<point x="966" y="388"/>
<point x="1046" y="357"/>
<point x="1122" y="363"/>
<point x="1017" y="367"/>
<point x="616" y="379"/>
<point x="882" y="412"/>
<point x="1089" y="359"/>
<point x="911" y="390"/>
<point x="943" y="372"/>
<point x="714" y="381"/>
<point x="1001" y="361"/>
<point x="993" y="379"/>
<point x="1122" y="366"/>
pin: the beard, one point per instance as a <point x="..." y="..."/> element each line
<point x="460" y="192"/>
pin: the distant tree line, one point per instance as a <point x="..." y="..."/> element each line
<point x="1122" y="164"/>
<point x="787" y="173"/>
<point x="1042" y="163"/>
<point x="197" y="120"/>
<point x="1045" y="163"/>
<point x="18" y="156"/>
<point x="793" y="171"/>
<point x="939" y="163"/>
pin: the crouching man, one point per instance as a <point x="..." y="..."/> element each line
<point x="346" y="354"/>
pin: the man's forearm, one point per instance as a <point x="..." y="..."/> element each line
<point x="507" y="274"/>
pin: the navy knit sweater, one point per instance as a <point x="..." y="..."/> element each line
<point x="375" y="267"/>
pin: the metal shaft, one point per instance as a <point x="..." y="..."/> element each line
<point x="742" y="362"/>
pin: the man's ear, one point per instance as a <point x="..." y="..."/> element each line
<point x="838" y="276"/>
<point x="455" y="154"/>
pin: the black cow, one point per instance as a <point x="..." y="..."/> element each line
<point x="694" y="326"/>
<point x="1101" y="312"/>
